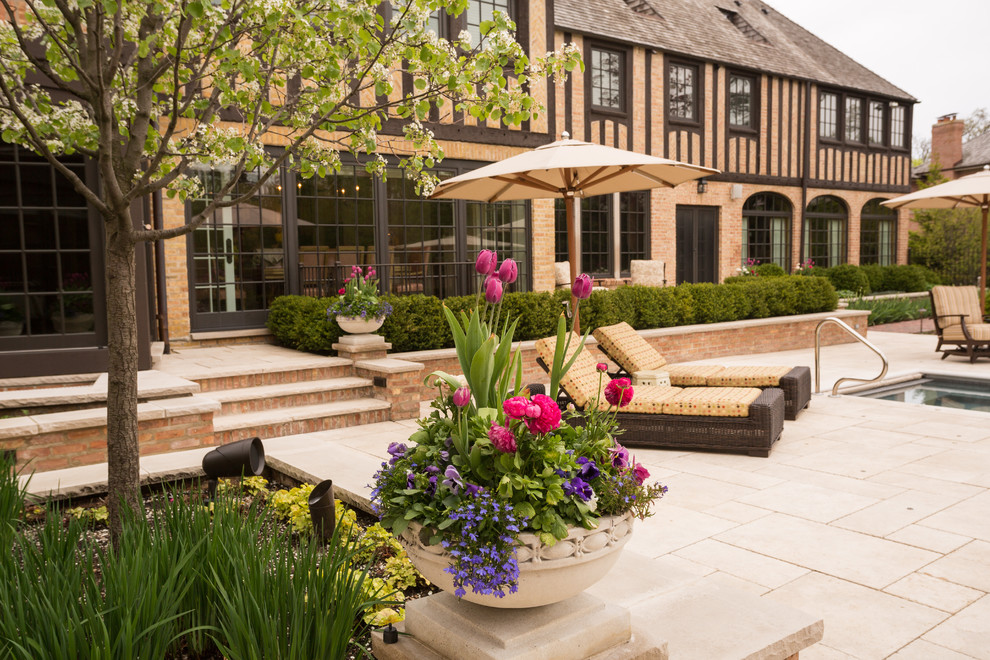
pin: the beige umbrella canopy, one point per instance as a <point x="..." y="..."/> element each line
<point x="568" y="169"/>
<point x="968" y="191"/>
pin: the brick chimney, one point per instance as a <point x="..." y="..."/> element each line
<point x="947" y="135"/>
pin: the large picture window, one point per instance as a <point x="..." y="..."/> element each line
<point x="825" y="227"/>
<point x="634" y="225"/>
<point x="741" y="106"/>
<point x="766" y="230"/>
<point x="607" y="80"/>
<point x="877" y="234"/>
<point x="606" y="252"/>
<point x="682" y="92"/>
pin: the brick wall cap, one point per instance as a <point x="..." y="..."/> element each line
<point x="841" y="314"/>
<point x="389" y="365"/>
<point x="186" y="405"/>
<point x="15" y="427"/>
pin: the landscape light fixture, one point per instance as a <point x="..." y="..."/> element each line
<point x="702" y="186"/>
<point x="243" y="457"/>
<point x="321" y="509"/>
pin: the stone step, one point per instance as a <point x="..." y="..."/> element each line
<point x="308" y="368"/>
<point x="300" y="419"/>
<point x="287" y="395"/>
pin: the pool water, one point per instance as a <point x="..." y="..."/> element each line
<point x="943" y="391"/>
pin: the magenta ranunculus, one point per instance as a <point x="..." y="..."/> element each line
<point x="582" y="286"/>
<point x="601" y="366"/>
<point x="503" y="438"/>
<point x="508" y="271"/>
<point x="493" y="290"/>
<point x="341" y="290"/>
<point x="620" y="456"/>
<point x="641" y="473"/>
<point x="486" y="263"/>
<point x="515" y="408"/>
<point x="462" y="396"/>
<point x="619" y="392"/>
<point x="549" y="419"/>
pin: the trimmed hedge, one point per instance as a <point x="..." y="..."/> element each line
<point x="417" y="322"/>
<point x="861" y="280"/>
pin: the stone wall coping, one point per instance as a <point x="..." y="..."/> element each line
<point x="230" y="334"/>
<point x="70" y="420"/>
<point x="442" y="353"/>
<point x="151" y="385"/>
<point x="390" y="365"/>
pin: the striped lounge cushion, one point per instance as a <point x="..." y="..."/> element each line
<point x="978" y="331"/>
<point x="712" y="401"/>
<point x="748" y="377"/>
<point x="632" y="352"/>
<point x="950" y="300"/>
<point x="692" y="375"/>
<point x="649" y="399"/>
<point x="582" y="380"/>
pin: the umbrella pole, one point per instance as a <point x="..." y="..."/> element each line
<point x="983" y="263"/>
<point x="572" y="255"/>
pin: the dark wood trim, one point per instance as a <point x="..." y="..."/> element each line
<point x="648" y="98"/>
<point x="568" y="96"/>
<point x="551" y="87"/>
<point x="481" y="134"/>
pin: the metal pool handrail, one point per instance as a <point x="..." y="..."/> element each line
<point x="818" y="345"/>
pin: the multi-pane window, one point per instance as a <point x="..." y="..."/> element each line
<point x="634" y="222"/>
<point x="596" y="235"/>
<point x="599" y="215"/>
<point x="827" y="116"/>
<point x="897" y="126"/>
<point x="46" y="275"/>
<point x="682" y="92"/>
<point x="854" y="119"/>
<point x="479" y="11"/>
<point x="875" y="126"/>
<point x="825" y="223"/>
<point x="501" y="227"/>
<point x="766" y="230"/>
<point x="606" y="79"/>
<point x="741" y="101"/>
<point x="877" y="234"/>
<point x="238" y="254"/>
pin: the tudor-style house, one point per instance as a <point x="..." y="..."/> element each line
<point x="808" y="143"/>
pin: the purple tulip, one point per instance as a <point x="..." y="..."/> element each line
<point x="461" y="397"/>
<point x="493" y="290"/>
<point x="508" y="271"/>
<point x="582" y="286"/>
<point x="487" y="262"/>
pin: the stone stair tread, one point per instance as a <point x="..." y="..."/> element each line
<point x="282" y="415"/>
<point x="288" y="389"/>
<point x="212" y="371"/>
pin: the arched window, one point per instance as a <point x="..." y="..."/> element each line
<point x="766" y="230"/>
<point x="877" y="234"/>
<point x="825" y="228"/>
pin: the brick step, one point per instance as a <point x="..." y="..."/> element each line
<point x="301" y="419"/>
<point x="288" y="395"/>
<point x="291" y="371"/>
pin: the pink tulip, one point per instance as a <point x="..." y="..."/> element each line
<point x="508" y="271"/>
<point x="582" y="286"/>
<point x="462" y="396"/>
<point x="487" y="262"/>
<point x="493" y="290"/>
<point x="601" y="366"/>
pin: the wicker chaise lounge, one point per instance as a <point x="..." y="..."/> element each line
<point x="959" y="322"/>
<point x="624" y="346"/>
<point x="735" y="419"/>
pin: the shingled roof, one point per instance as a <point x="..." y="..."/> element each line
<point x="747" y="33"/>
<point x="975" y="153"/>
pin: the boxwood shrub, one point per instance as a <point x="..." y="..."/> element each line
<point x="417" y="321"/>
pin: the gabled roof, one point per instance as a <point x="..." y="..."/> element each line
<point x="975" y="153"/>
<point x="746" y="33"/>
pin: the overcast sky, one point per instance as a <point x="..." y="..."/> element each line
<point x="936" y="50"/>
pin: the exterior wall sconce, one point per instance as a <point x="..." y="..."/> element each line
<point x="702" y="186"/>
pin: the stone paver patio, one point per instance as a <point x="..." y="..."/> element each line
<point x="873" y="515"/>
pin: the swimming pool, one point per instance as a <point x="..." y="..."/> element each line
<point x="943" y="391"/>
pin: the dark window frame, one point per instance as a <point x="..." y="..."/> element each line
<point x="625" y="87"/>
<point x="874" y="214"/>
<point x="836" y="122"/>
<point x="451" y="26"/>
<point x="882" y="127"/>
<point x="768" y="214"/>
<point x="698" y="99"/>
<point x="845" y="115"/>
<point x="811" y="216"/>
<point x="616" y="212"/>
<point x="754" y="102"/>
<point x="865" y="141"/>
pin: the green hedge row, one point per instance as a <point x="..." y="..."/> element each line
<point x="860" y="280"/>
<point x="417" y="322"/>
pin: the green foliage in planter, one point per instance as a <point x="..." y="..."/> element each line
<point x="848" y="276"/>
<point x="892" y="310"/>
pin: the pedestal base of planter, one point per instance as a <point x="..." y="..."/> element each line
<point x="441" y="626"/>
<point x="362" y="347"/>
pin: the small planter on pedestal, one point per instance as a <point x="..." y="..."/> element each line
<point x="355" y="325"/>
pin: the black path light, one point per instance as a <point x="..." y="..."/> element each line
<point x="321" y="509"/>
<point x="243" y="457"/>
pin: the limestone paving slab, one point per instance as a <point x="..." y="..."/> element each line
<point x="744" y="564"/>
<point x="921" y="649"/>
<point x="674" y="527"/>
<point x="929" y="539"/>
<point x="933" y="592"/>
<point x="968" y="566"/>
<point x="888" y="516"/>
<point x="738" y="512"/>
<point x="699" y="493"/>
<point x="849" y="459"/>
<point x="967" y="632"/>
<point x="967" y="518"/>
<point x="808" y="501"/>
<point x="963" y="466"/>
<point x="856" y="557"/>
<point x="862" y="622"/>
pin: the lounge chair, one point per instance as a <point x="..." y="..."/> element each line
<point x="959" y="322"/>
<point x="736" y="419"/>
<point x="624" y="346"/>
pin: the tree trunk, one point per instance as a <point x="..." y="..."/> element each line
<point x="123" y="454"/>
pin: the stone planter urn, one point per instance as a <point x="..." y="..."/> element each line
<point x="356" y="325"/>
<point x="11" y="328"/>
<point x="547" y="574"/>
<point x="73" y="323"/>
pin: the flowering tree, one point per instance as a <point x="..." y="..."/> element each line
<point x="154" y="90"/>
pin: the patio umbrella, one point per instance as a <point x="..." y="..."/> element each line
<point x="968" y="191"/>
<point x="568" y="169"/>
